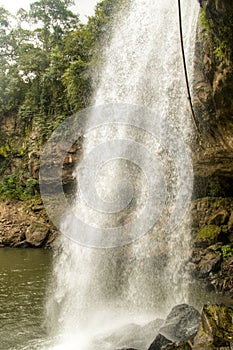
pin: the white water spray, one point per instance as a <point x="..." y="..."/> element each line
<point x="96" y="291"/>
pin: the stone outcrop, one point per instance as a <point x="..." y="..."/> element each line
<point x="213" y="151"/>
<point x="159" y="342"/>
<point x="25" y="224"/>
<point x="212" y="257"/>
<point x="215" y="332"/>
<point x="181" y="324"/>
<point x="213" y="103"/>
<point x="212" y="330"/>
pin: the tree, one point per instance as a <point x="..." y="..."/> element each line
<point x="55" y="20"/>
<point x="46" y="72"/>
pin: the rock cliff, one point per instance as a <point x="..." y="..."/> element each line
<point x="213" y="153"/>
<point x="213" y="99"/>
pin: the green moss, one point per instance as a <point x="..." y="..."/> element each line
<point x="4" y="150"/>
<point x="204" y="21"/>
<point x="209" y="233"/>
<point x="227" y="251"/>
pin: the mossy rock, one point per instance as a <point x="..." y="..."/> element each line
<point x="208" y="235"/>
<point x="216" y="328"/>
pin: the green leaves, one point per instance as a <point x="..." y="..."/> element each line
<point x="10" y="187"/>
<point x="45" y="76"/>
<point x="54" y="16"/>
<point x="45" y="73"/>
<point x="77" y="83"/>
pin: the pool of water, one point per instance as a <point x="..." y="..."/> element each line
<point x="24" y="275"/>
<point x="24" y="281"/>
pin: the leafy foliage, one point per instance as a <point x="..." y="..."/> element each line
<point x="45" y="76"/>
<point x="44" y="72"/>
<point x="227" y="251"/>
<point x="10" y="187"/>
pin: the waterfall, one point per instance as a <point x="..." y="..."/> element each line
<point x="137" y="274"/>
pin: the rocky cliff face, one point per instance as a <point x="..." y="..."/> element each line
<point x="213" y="155"/>
<point x="212" y="256"/>
<point x="25" y="224"/>
<point x="213" y="99"/>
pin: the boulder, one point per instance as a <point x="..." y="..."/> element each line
<point x="159" y="342"/>
<point x="181" y="324"/>
<point x="36" y="234"/>
<point x="149" y="331"/>
<point x="216" y="328"/>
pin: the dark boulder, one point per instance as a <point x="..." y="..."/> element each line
<point x="159" y="342"/>
<point x="181" y="324"/>
<point x="150" y="330"/>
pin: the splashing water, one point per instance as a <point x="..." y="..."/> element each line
<point x="96" y="291"/>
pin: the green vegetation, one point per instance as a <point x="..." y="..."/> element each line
<point x="12" y="187"/>
<point x="209" y="234"/>
<point x="220" y="31"/>
<point x="204" y="22"/>
<point x="45" y="76"/>
<point x="227" y="251"/>
<point x="4" y="150"/>
<point x="45" y="72"/>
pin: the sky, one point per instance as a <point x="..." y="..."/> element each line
<point x="85" y="8"/>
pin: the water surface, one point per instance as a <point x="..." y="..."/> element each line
<point x="24" y="285"/>
<point x="24" y="275"/>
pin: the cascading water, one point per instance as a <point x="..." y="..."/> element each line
<point x="94" y="290"/>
